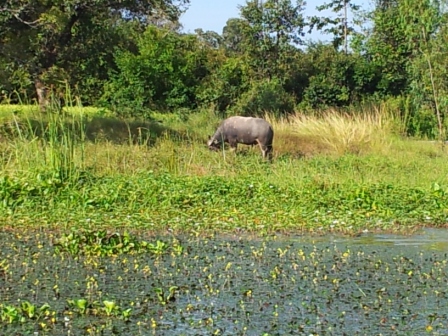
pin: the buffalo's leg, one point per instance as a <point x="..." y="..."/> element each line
<point x="266" y="151"/>
<point x="269" y="152"/>
<point x="233" y="146"/>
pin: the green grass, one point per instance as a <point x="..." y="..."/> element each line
<point x="33" y="110"/>
<point x="335" y="173"/>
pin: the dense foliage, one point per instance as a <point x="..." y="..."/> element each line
<point x="134" y="58"/>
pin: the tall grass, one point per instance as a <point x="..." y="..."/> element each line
<point x="52" y="142"/>
<point x="339" y="133"/>
<point x="68" y="143"/>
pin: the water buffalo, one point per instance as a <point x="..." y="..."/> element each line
<point x="244" y="130"/>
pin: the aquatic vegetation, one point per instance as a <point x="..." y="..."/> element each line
<point x="103" y="243"/>
<point x="161" y="202"/>
<point x="224" y="286"/>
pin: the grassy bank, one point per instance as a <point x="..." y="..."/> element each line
<point x="332" y="172"/>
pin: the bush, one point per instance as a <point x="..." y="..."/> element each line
<point x="264" y="96"/>
<point x="225" y="85"/>
<point x="164" y="74"/>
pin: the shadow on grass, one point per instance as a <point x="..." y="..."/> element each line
<point x="135" y="132"/>
<point x="288" y="145"/>
<point x="96" y="129"/>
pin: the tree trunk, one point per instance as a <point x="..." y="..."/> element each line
<point x="42" y="94"/>
<point x="50" y="53"/>
<point x="345" y="27"/>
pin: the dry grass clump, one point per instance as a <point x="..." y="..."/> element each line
<point x="333" y="132"/>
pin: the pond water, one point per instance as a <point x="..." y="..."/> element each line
<point x="368" y="285"/>
<point x="425" y="239"/>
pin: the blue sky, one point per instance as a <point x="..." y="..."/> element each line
<point x="213" y="14"/>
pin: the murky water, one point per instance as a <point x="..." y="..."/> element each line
<point x="369" y="285"/>
<point x="426" y="239"/>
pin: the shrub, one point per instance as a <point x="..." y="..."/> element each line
<point x="262" y="96"/>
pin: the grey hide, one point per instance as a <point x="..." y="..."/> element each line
<point x="244" y="130"/>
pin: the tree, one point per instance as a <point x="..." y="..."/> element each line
<point x="234" y="35"/>
<point x="423" y="24"/>
<point x="402" y="45"/>
<point x="209" y="38"/>
<point x="273" y="28"/>
<point x="339" y="26"/>
<point x="43" y="36"/>
<point x="386" y="47"/>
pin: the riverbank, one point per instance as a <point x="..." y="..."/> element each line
<point x="333" y="173"/>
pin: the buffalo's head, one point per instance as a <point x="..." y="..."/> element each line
<point x="213" y="144"/>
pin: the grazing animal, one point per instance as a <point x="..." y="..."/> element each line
<point x="244" y="130"/>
